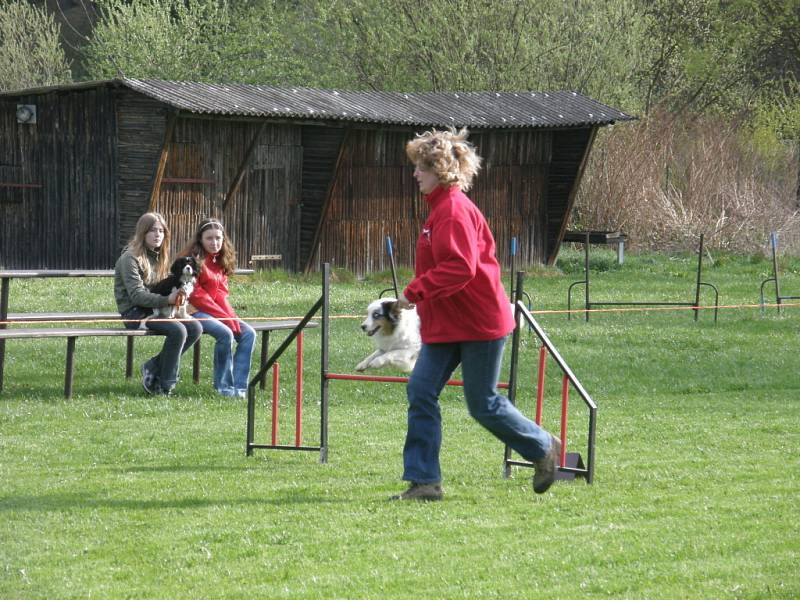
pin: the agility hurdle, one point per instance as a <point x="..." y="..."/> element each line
<point x="570" y="464"/>
<point x="271" y="363"/>
<point x="773" y="239"/>
<point x="588" y="303"/>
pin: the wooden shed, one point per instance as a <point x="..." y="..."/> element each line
<point x="310" y="175"/>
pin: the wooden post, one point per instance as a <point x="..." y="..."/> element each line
<point x="196" y="361"/>
<point x="129" y="358"/>
<point x="69" y="368"/>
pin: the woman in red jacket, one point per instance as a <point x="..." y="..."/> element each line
<point x="210" y="301"/>
<point x="465" y="317"/>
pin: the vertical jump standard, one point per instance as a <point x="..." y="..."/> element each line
<point x="588" y="303"/>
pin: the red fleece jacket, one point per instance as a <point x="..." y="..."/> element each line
<point x="457" y="285"/>
<point x="210" y="294"/>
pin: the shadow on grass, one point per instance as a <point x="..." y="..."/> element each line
<point x="72" y="501"/>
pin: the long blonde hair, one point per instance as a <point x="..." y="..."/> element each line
<point x="138" y="247"/>
<point x="448" y="154"/>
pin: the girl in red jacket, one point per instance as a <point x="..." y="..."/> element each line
<point x="210" y="301"/>
<point x="464" y="316"/>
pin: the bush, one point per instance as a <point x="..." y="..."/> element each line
<point x="667" y="179"/>
<point x="30" y="52"/>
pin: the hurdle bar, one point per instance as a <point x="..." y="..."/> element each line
<point x="570" y="464"/>
<point x="588" y="303"/>
<point x="296" y="334"/>
<point x="773" y="238"/>
<point x="394" y="379"/>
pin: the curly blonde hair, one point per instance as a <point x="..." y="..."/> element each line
<point x="446" y="153"/>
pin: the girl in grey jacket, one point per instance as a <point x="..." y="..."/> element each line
<point x="145" y="261"/>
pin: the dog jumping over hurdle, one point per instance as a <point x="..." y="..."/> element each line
<point x="395" y="333"/>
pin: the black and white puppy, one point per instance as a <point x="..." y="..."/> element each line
<point x="182" y="277"/>
<point x="395" y="333"/>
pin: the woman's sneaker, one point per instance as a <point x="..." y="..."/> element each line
<point x="149" y="380"/>
<point x="546" y="467"/>
<point x="421" y="491"/>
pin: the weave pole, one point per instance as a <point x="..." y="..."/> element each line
<point x="298" y="399"/>
<point x="390" y="254"/>
<point x="564" y="411"/>
<point x="276" y="377"/>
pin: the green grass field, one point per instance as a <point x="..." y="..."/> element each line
<point x="115" y="494"/>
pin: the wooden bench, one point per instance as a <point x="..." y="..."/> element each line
<point x="7" y="319"/>
<point x="256" y="259"/>
<point x="599" y="237"/>
<point x="73" y="333"/>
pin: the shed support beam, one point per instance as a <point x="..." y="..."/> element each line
<point x="324" y="214"/>
<point x="237" y="181"/>
<point x="550" y="260"/>
<point x="162" y="161"/>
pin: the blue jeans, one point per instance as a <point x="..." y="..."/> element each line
<point x="231" y="369"/>
<point x="480" y="366"/>
<point x="181" y="335"/>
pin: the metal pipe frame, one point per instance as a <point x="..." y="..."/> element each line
<point x="588" y="303"/>
<point x="773" y="238"/>
<point x="256" y="380"/>
<point x="568" y="375"/>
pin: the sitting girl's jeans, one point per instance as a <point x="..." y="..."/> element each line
<point x="231" y="369"/>
<point x="181" y="335"/>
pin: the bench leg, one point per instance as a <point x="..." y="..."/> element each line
<point x="3" y="317"/>
<point x="264" y="356"/>
<point x="68" y="370"/>
<point x="2" y="362"/>
<point x="129" y="358"/>
<point x="196" y="362"/>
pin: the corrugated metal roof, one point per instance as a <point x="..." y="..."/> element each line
<point x="472" y="109"/>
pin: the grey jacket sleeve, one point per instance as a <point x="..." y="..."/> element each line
<point x="134" y="285"/>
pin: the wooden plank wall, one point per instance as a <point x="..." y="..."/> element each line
<point x="94" y="155"/>
<point x="141" y="122"/>
<point x="569" y="148"/>
<point x="375" y="195"/>
<point x="321" y="149"/>
<point x="205" y="155"/>
<point x="68" y="217"/>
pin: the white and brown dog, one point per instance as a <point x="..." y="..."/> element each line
<point x="395" y="332"/>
